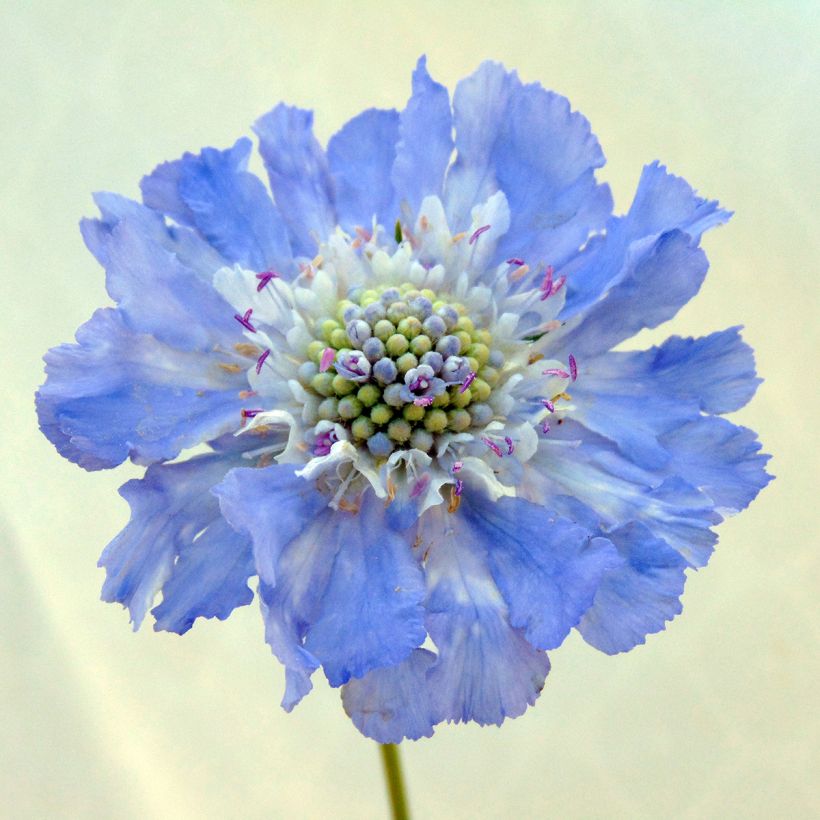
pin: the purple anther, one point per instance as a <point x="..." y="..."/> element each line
<point x="546" y="282"/>
<point x="515" y="261"/>
<point x="324" y="441"/>
<point x="467" y="382"/>
<point x="556" y="371"/>
<point x="265" y="277"/>
<point x="328" y="354"/>
<point x="249" y="414"/>
<point x="423" y="401"/>
<point x="245" y="320"/>
<point x="457" y="465"/>
<point x="510" y="445"/>
<point x="260" y="361"/>
<point x="419" y="383"/>
<point x="559" y="283"/>
<point x="420" y="486"/>
<point x="493" y="446"/>
<point x="545" y="427"/>
<point x="459" y="486"/>
<point x="548" y="404"/>
<point x="573" y="367"/>
<point x="478" y="233"/>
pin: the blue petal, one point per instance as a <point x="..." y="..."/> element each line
<point x="392" y="703"/>
<point x="169" y="507"/>
<point x="360" y="157"/>
<point x="299" y="176"/>
<point x="486" y="670"/>
<point x="638" y="597"/>
<point x="479" y="104"/>
<point x="159" y="296"/>
<point x="656" y="282"/>
<point x="372" y="613"/>
<point x="118" y="394"/>
<point x="425" y="140"/>
<point x="546" y="567"/>
<point x="632" y="398"/>
<point x="545" y="161"/>
<point x="209" y="579"/>
<point x="576" y="463"/>
<point x="662" y="203"/>
<point x="272" y="505"/>
<point x="186" y="244"/>
<point x="721" y="459"/>
<point x="527" y="142"/>
<point x="229" y="206"/>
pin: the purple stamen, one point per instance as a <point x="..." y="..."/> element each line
<point x="493" y="446"/>
<point x="515" y="261"/>
<point x="559" y="283"/>
<point x="420" y="486"/>
<point x="265" y="277"/>
<point x="459" y="486"/>
<point x="328" y="354"/>
<point x="324" y="442"/>
<point x="423" y="401"/>
<point x="249" y="414"/>
<point x="467" y="382"/>
<point x="260" y="361"/>
<point x="573" y="367"/>
<point x="457" y="465"/>
<point x="510" y="445"/>
<point x="420" y="383"/>
<point x="548" y="404"/>
<point x="245" y="320"/>
<point x="546" y="283"/>
<point x="478" y="233"/>
<point x="556" y="371"/>
<point x="545" y="427"/>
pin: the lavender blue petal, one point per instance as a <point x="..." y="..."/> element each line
<point x="213" y="192"/>
<point x="361" y="157"/>
<point x="299" y="176"/>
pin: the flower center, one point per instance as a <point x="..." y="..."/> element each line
<point x="396" y="367"/>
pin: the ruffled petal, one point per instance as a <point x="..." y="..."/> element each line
<point x="209" y="579"/>
<point x="639" y="596"/>
<point x="486" y="670"/>
<point x="527" y="142"/>
<point x="425" y="140"/>
<point x="392" y="703"/>
<point x="213" y="192"/>
<point x="574" y="463"/>
<point x="656" y="281"/>
<point x="662" y="203"/>
<point x="118" y="394"/>
<point x="299" y="176"/>
<point x="360" y="157"/>
<point x="272" y="505"/>
<point x="186" y="244"/>
<point x="372" y="613"/>
<point x="169" y="507"/>
<point x="721" y="459"/>
<point x="159" y="296"/>
<point x="479" y="105"/>
<point x="633" y="398"/>
<point x="547" y="568"/>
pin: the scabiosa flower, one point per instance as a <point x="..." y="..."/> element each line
<point x="420" y="439"/>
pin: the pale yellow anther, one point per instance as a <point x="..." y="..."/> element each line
<point x="520" y="272"/>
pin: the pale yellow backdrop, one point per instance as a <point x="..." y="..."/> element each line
<point x="716" y="717"/>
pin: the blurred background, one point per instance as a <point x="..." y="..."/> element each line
<point x="716" y="717"/>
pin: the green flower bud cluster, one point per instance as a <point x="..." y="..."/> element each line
<point x="375" y="339"/>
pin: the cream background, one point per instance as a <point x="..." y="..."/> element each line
<point x="716" y="717"/>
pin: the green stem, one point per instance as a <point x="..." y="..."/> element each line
<point x="395" y="781"/>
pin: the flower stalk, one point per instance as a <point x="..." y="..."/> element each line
<point x="395" y="781"/>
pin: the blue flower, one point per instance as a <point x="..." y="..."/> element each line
<point x="420" y="437"/>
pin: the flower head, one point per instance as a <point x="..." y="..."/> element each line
<point x="420" y="439"/>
